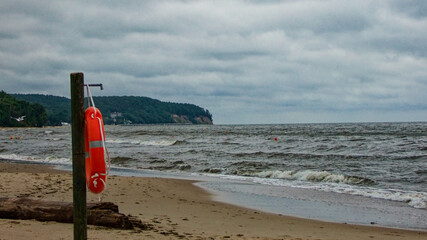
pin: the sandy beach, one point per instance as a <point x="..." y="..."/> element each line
<point x="176" y="209"/>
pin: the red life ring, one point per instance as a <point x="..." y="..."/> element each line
<point x="94" y="144"/>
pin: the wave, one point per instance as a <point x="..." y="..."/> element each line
<point x="421" y="172"/>
<point x="158" y="142"/>
<point x="412" y="198"/>
<point x="49" y="159"/>
<point x="212" y="170"/>
<point x="145" y="142"/>
<point x="318" y="153"/>
<point x="176" y="165"/>
<point x="180" y="142"/>
<point x="315" y="176"/>
<point x="119" y="141"/>
<point x="245" y="168"/>
<point x="155" y="161"/>
<point x="229" y="143"/>
<point x="121" y="160"/>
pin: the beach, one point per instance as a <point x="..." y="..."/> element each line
<point x="174" y="208"/>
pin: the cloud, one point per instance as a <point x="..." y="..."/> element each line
<point x="242" y="60"/>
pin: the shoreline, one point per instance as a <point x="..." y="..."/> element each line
<point x="318" y="205"/>
<point x="299" y="202"/>
<point x="176" y="208"/>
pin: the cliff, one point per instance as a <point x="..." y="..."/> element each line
<point x="185" y="120"/>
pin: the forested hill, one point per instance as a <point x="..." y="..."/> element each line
<point x="123" y="110"/>
<point x="16" y="113"/>
<point x="58" y="109"/>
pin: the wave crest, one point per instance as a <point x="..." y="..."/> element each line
<point x="315" y="176"/>
<point x="145" y="142"/>
<point x="48" y="159"/>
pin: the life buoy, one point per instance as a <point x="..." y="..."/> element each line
<point x="96" y="173"/>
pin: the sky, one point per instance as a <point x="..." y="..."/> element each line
<point x="246" y="61"/>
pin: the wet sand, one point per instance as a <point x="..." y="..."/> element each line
<point x="176" y="209"/>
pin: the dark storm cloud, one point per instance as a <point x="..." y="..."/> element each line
<point x="412" y="8"/>
<point x="246" y="61"/>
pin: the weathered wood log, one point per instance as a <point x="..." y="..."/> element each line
<point x="100" y="214"/>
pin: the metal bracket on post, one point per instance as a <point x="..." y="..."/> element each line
<point x="95" y="85"/>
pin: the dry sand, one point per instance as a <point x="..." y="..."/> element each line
<point x="176" y="209"/>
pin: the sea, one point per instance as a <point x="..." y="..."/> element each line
<point x="362" y="173"/>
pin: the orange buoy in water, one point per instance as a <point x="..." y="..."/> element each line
<point x="275" y="139"/>
<point x="96" y="172"/>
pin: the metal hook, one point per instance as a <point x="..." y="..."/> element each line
<point x="95" y="85"/>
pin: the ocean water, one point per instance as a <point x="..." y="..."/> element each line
<point x="385" y="161"/>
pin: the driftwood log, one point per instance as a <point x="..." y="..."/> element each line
<point x="100" y="214"/>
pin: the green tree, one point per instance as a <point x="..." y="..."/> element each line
<point x="119" y="110"/>
<point x="16" y="113"/>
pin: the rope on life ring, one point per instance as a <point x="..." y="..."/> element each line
<point x="96" y="169"/>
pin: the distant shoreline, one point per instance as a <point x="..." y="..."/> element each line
<point x="233" y="124"/>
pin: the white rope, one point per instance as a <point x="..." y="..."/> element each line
<point x="100" y="194"/>
<point x="89" y="97"/>
<point x="103" y="145"/>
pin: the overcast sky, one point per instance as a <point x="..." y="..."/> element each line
<point x="244" y="61"/>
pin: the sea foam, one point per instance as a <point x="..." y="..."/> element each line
<point x="300" y="180"/>
<point x="49" y="159"/>
<point x="314" y="176"/>
<point x="143" y="142"/>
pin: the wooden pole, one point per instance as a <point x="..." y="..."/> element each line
<point x="78" y="148"/>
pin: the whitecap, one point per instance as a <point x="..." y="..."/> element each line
<point x="313" y="176"/>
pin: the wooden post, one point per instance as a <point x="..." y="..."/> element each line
<point x="78" y="148"/>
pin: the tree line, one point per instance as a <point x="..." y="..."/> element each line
<point x="19" y="113"/>
<point x="122" y="110"/>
